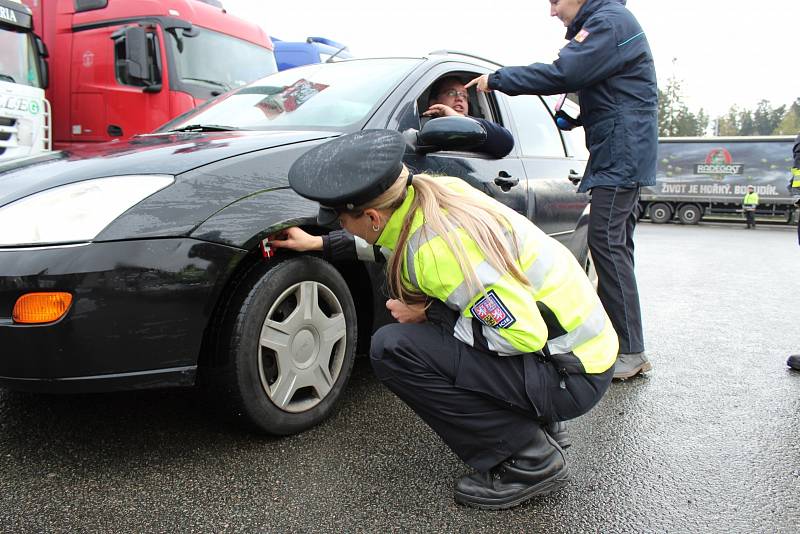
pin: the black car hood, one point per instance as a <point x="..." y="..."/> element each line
<point x="171" y="154"/>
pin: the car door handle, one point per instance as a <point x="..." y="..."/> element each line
<point x="505" y="181"/>
<point x="575" y="177"/>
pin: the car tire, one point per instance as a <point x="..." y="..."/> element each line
<point x="589" y="269"/>
<point x="585" y="260"/>
<point x="660" y="213"/>
<point x="689" y="214"/>
<point x="290" y="338"/>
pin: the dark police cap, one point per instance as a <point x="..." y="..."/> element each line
<point x="349" y="170"/>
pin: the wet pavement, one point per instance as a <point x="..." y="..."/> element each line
<point x="709" y="441"/>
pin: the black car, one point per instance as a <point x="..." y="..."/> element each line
<point x="141" y="264"/>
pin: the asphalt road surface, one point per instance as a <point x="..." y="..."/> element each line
<point x="709" y="441"/>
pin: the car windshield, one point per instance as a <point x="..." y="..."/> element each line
<point x="18" y="59"/>
<point x="203" y="57"/>
<point x="329" y="95"/>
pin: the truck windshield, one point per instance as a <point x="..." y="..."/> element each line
<point x="215" y="61"/>
<point x="330" y="95"/>
<point x="18" y="58"/>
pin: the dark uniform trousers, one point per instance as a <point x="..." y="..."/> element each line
<point x="612" y="219"/>
<point x="485" y="407"/>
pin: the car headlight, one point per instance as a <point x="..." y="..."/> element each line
<point x="74" y="212"/>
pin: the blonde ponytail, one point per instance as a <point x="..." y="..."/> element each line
<point x="445" y="211"/>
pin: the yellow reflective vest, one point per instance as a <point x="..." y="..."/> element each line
<point x="509" y="313"/>
<point x="750" y="201"/>
<point x="795" y="178"/>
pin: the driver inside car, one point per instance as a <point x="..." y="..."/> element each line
<point x="449" y="98"/>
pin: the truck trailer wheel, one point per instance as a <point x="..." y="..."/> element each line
<point x="660" y="213"/>
<point x="689" y="214"/>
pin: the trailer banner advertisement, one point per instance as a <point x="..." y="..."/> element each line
<point x="719" y="163"/>
<point x="699" y="177"/>
<point x="692" y="168"/>
<point x="717" y="189"/>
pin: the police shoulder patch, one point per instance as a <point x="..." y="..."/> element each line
<point x="581" y="36"/>
<point x="491" y="311"/>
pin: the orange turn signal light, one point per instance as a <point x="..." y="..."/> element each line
<point x="34" y="308"/>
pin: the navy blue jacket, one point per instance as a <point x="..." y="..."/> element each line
<point x="499" y="141"/>
<point x="609" y="64"/>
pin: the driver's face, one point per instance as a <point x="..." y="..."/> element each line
<point x="454" y="95"/>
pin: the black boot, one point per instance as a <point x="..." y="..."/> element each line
<point x="538" y="469"/>
<point x="558" y="430"/>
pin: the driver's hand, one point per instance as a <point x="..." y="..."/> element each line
<point x="295" y="238"/>
<point x="406" y="313"/>
<point x="440" y="110"/>
<point x="481" y="83"/>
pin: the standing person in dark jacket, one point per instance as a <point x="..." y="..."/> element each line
<point x="609" y="64"/>
<point x="794" y="187"/>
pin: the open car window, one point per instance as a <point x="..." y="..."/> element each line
<point x="481" y="105"/>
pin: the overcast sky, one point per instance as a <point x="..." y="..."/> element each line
<point x="725" y="51"/>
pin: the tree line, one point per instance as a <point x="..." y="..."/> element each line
<point x="676" y="119"/>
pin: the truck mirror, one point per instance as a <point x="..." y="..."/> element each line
<point x="134" y="56"/>
<point x="41" y="47"/>
<point x="450" y="133"/>
<point x="44" y="70"/>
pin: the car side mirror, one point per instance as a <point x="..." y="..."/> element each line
<point x="450" y="133"/>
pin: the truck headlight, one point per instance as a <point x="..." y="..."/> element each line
<point x="76" y="212"/>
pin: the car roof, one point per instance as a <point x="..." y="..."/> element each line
<point x="440" y="56"/>
<point x="456" y="54"/>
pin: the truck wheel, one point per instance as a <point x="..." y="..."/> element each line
<point x="290" y="338"/>
<point x="660" y="213"/>
<point x="689" y="214"/>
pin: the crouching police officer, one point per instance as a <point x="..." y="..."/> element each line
<point x="500" y="333"/>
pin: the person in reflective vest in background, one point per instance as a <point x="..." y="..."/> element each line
<point x="500" y="334"/>
<point x="749" y="205"/>
<point x="794" y="187"/>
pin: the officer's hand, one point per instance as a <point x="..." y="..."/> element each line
<point x="297" y="239"/>
<point x="406" y="313"/>
<point x="440" y="110"/>
<point x="481" y="83"/>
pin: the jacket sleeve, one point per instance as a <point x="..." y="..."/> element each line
<point x="499" y="141"/>
<point x="591" y="57"/>
<point x="341" y="245"/>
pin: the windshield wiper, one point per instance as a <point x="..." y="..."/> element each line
<point x="204" y="128"/>
<point x="7" y="78"/>
<point x="211" y="82"/>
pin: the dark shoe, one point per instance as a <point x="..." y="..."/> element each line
<point x="558" y="431"/>
<point x="794" y="362"/>
<point x="538" y="469"/>
<point x="629" y="365"/>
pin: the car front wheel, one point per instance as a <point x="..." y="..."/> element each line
<point x="291" y="341"/>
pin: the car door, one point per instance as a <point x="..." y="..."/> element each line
<point x="555" y="205"/>
<point x="503" y="179"/>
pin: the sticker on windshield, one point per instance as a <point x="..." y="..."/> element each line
<point x="582" y="35"/>
<point x="288" y="98"/>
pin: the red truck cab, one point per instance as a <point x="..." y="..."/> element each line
<point x="120" y="68"/>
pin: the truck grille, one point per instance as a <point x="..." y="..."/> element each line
<point x="7" y="128"/>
